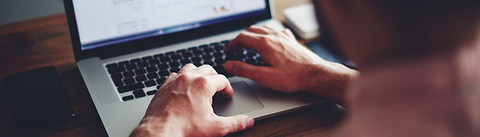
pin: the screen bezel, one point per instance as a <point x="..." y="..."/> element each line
<point x="156" y="41"/>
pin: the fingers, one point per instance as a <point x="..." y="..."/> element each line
<point x="269" y="28"/>
<point x="222" y="85"/>
<point x="243" y="69"/>
<point x="205" y="70"/>
<point x="237" y="123"/>
<point x="289" y="33"/>
<point x="246" y="39"/>
<point x="259" y="30"/>
<point x="186" y="68"/>
<point x="170" y="77"/>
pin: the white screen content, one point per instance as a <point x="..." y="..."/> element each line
<point x="99" y="20"/>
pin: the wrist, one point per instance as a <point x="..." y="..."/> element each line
<point x="329" y="80"/>
<point x="152" y="127"/>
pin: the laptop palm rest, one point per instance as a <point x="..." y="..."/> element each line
<point x="243" y="101"/>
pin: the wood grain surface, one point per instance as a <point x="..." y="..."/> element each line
<point x="45" y="41"/>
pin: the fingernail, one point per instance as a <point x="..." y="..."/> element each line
<point x="228" y="65"/>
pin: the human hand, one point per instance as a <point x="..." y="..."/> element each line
<point x="183" y="106"/>
<point x="290" y="67"/>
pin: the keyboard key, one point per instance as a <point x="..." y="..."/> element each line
<point x="208" y="50"/>
<point x="131" y="66"/>
<point x="219" y="48"/>
<point x="176" y="57"/>
<point x="240" y="57"/>
<point x="124" y="63"/>
<point x="118" y="82"/>
<point x="198" y="53"/>
<point x="207" y="57"/>
<point x="130" y="87"/>
<point x="251" y="61"/>
<point x="214" y="44"/>
<point x="147" y="58"/>
<point x="251" y="53"/>
<point x="211" y="63"/>
<point x="129" y="81"/>
<point x="187" y="55"/>
<point x="259" y="60"/>
<point x="161" y="80"/>
<point x="218" y="55"/>
<point x="198" y="64"/>
<point x="219" y="68"/>
<point x="150" y="83"/>
<point x="159" y="56"/>
<point x="197" y="59"/>
<point x="152" y="75"/>
<point x="140" y="78"/>
<point x="185" y="61"/>
<point x="142" y="64"/>
<point x="171" y="53"/>
<point x="203" y="46"/>
<point x="152" y="92"/>
<point x="176" y="70"/>
<point x="152" y="69"/>
<point x="164" y="73"/>
<point x="192" y="48"/>
<point x="135" y="60"/>
<point x="113" y="65"/>
<point x="139" y="93"/>
<point x="165" y="59"/>
<point x="220" y="61"/>
<point x="140" y="71"/>
<point x="174" y="64"/>
<point x="126" y="98"/>
<point x="128" y="74"/>
<point x="182" y="51"/>
<point x="154" y="62"/>
<point x="116" y="70"/>
<point x="163" y="66"/>
<point x="117" y="76"/>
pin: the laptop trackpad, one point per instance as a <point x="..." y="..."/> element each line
<point x="243" y="101"/>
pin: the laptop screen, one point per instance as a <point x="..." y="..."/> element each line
<point x="107" y="22"/>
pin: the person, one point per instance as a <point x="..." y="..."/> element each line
<point x="417" y="72"/>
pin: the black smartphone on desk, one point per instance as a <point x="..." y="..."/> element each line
<point x="38" y="97"/>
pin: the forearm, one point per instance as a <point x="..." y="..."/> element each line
<point x="331" y="82"/>
<point x="153" y="127"/>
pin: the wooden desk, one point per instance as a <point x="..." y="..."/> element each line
<point x="45" y="41"/>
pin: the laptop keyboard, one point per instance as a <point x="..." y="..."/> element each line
<point x="133" y="77"/>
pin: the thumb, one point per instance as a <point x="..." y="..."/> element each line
<point x="237" y="123"/>
<point x="243" y="69"/>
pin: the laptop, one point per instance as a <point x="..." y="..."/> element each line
<point x="125" y="49"/>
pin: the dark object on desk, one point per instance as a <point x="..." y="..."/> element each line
<point x="320" y="48"/>
<point x="38" y="97"/>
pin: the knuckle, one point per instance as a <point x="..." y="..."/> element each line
<point x="189" y="65"/>
<point x="202" y="80"/>
<point x="183" y="77"/>
<point x="207" y="66"/>
<point x="243" y="34"/>
<point x="264" y="40"/>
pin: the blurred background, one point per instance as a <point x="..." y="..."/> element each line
<point x="18" y="10"/>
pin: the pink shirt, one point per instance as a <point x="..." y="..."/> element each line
<point x="431" y="98"/>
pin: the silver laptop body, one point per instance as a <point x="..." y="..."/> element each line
<point x="102" y="34"/>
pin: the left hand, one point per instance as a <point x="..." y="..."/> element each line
<point x="183" y="106"/>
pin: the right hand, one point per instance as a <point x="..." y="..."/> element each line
<point x="290" y="67"/>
